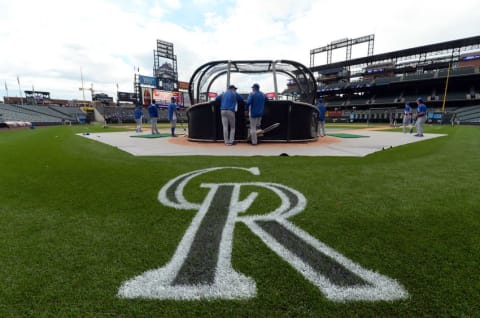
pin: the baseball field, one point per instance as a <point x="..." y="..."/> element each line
<point x="88" y="230"/>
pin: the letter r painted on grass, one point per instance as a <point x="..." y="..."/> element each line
<point x="201" y="265"/>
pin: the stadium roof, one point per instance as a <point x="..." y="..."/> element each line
<point x="456" y="47"/>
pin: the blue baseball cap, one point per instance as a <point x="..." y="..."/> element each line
<point x="256" y="86"/>
<point x="419" y="99"/>
<point x="232" y="87"/>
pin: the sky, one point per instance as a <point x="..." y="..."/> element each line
<point x="48" y="45"/>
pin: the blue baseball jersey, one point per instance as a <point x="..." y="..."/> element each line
<point x="153" y="110"/>
<point x="257" y="100"/>
<point x="138" y="113"/>
<point x="229" y="100"/>
<point x="422" y="108"/>
<point x="322" y="110"/>
<point x="172" y="108"/>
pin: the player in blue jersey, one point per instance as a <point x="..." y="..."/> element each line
<point x="228" y="107"/>
<point x="421" y="117"/>
<point x="138" y="114"/>
<point x="172" y="115"/>
<point x="153" y="112"/>
<point x="254" y="110"/>
<point x="407" y="117"/>
<point x="321" y="117"/>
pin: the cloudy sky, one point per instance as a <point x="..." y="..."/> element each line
<point x="47" y="43"/>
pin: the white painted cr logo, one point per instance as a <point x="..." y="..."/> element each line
<point x="201" y="266"/>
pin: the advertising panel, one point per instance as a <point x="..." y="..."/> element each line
<point x="167" y="84"/>
<point x="126" y="97"/>
<point x="179" y="97"/>
<point x="163" y="98"/>
<point x="147" y="80"/>
<point x="146" y="96"/>
<point x="270" y="95"/>
<point x="183" y="85"/>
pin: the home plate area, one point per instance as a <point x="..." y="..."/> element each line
<point x="338" y="142"/>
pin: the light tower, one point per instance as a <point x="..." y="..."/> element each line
<point x="83" y="89"/>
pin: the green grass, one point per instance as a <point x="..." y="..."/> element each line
<point x="79" y="217"/>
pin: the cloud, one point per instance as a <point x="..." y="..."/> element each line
<point x="46" y="43"/>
